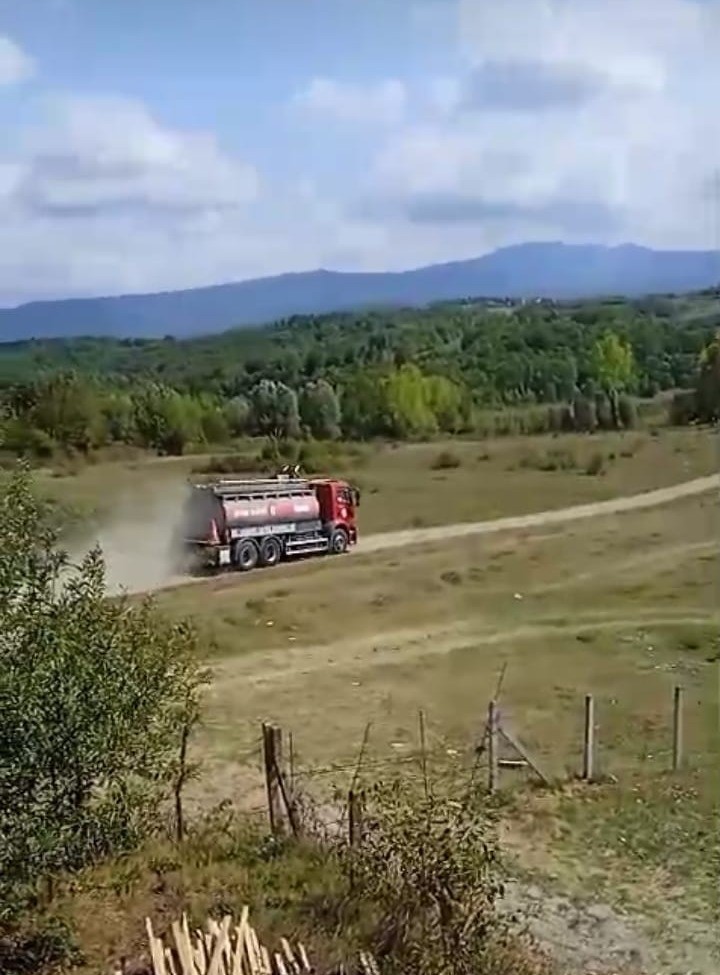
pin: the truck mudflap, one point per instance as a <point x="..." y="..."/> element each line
<point x="207" y="555"/>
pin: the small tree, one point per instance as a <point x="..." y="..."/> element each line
<point x="613" y="368"/>
<point x="320" y="410"/>
<point x="94" y="696"/>
<point x="274" y="410"/>
<point x="708" y="383"/>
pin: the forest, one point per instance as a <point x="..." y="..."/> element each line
<point x="394" y="373"/>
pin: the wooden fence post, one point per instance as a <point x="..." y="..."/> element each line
<point x="272" y="753"/>
<point x="589" y="739"/>
<point x="677" y="758"/>
<point x="355" y="806"/>
<point x="492" y="729"/>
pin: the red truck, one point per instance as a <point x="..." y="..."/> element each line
<point x="242" y="524"/>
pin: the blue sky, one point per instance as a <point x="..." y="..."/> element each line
<point x="156" y="144"/>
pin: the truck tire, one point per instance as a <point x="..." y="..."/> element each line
<point x="270" y="551"/>
<point x="338" y="542"/>
<point x="245" y="555"/>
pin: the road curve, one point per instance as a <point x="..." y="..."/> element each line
<point x="594" y="509"/>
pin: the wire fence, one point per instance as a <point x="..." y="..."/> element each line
<point x="285" y="778"/>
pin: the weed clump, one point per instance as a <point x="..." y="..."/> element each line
<point x="446" y="460"/>
<point x="596" y="465"/>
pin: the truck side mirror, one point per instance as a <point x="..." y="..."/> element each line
<point x="356" y="497"/>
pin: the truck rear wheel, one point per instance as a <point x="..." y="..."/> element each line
<point x="246" y="555"/>
<point x="270" y="551"/>
<point x="338" y="542"/>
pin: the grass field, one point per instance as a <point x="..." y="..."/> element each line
<point x="623" y="607"/>
<point x="402" y="489"/>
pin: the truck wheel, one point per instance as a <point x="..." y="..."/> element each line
<point x="245" y="555"/>
<point x="338" y="542"/>
<point x="270" y="552"/>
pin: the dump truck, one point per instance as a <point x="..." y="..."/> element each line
<point x="243" y="524"/>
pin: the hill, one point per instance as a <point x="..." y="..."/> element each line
<point x="552" y="270"/>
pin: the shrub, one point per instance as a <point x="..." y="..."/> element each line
<point x="426" y="872"/>
<point x="446" y="460"/>
<point x="683" y="408"/>
<point x="95" y="694"/>
<point x="596" y="465"/>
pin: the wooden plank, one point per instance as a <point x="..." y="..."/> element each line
<point x="156" y="950"/>
<point x="183" y="947"/>
<point x="240" y="937"/>
<point x="511" y="740"/>
<point x="169" y="962"/>
<point x="289" y="956"/>
<point x="266" y="966"/>
<point x="307" y="967"/>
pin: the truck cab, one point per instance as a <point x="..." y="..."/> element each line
<point x="338" y="504"/>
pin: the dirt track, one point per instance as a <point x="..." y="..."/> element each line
<point x="634" y="502"/>
<point x="420" y="536"/>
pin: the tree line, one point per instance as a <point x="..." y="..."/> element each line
<point x="381" y="389"/>
<point x="73" y="413"/>
<point x="536" y="353"/>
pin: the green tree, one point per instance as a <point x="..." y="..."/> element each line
<point x="274" y="410"/>
<point x="363" y="404"/>
<point x="708" y="383"/>
<point x="95" y="695"/>
<point x="613" y="366"/>
<point x="237" y="415"/>
<point x="448" y="402"/>
<point x="68" y="409"/>
<point x="408" y="406"/>
<point x="166" y="420"/>
<point x="320" y="410"/>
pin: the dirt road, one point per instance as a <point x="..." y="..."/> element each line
<point x="634" y="502"/>
<point x="420" y="536"/>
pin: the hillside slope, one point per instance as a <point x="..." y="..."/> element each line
<point x="525" y="270"/>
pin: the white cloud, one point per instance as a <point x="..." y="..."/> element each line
<point x="105" y="153"/>
<point x="102" y="197"/>
<point x="383" y="103"/>
<point x="589" y="119"/>
<point x="15" y="64"/>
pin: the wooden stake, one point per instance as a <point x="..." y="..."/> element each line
<point x="677" y="759"/>
<point x="272" y="747"/>
<point x="492" y="730"/>
<point x="589" y="739"/>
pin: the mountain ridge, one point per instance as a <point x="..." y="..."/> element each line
<point x="535" y="269"/>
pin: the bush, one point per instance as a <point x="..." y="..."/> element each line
<point x="426" y="873"/>
<point x="596" y="465"/>
<point x="683" y="408"/>
<point x="446" y="460"/>
<point x="556" y="459"/>
<point x="95" y="694"/>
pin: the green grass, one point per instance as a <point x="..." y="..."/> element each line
<point x="402" y="487"/>
<point x="623" y="607"/>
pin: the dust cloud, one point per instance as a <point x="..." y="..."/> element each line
<point x="136" y="534"/>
